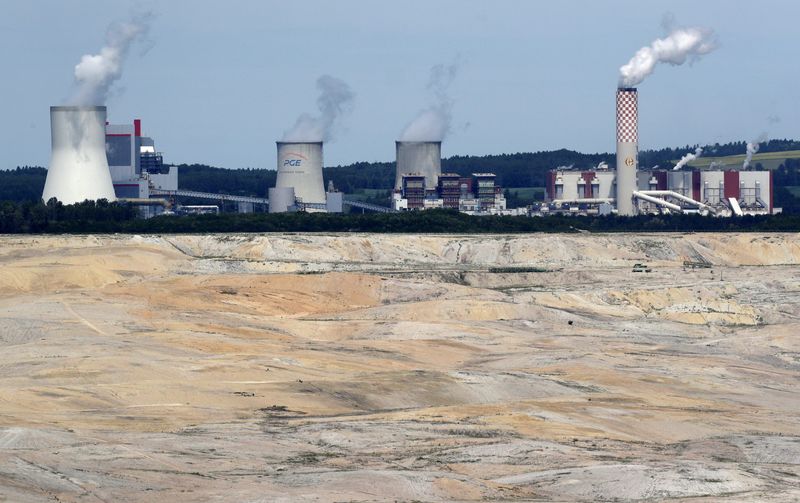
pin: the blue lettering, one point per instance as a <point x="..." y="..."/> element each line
<point x="292" y="162"/>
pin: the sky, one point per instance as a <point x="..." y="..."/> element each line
<point x="219" y="82"/>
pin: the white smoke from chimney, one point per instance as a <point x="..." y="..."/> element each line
<point x="433" y="123"/>
<point x="680" y="45"/>
<point x="335" y="99"/>
<point x="691" y="156"/>
<point x="96" y="73"/>
<point x="752" y="148"/>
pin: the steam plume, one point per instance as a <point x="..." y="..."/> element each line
<point x="688" y="158"/>
<point x="433" y="123"/>
<point x="335" y="99"/>
<point x="96" y="73"/>
<point x="752" y="148"/>
<point x="680" y="45"/>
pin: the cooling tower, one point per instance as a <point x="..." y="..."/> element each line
<point x="627" y="148"/>
<point x="420" y="157"/>
<point x="300" y="167"/>
<point x="78" y="165"/>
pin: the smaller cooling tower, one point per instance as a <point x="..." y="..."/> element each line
<point x="300" y="167"/>
<point x="419" y="157"/>
<point x="280" y="199"/>
<point x="78" y="165"/>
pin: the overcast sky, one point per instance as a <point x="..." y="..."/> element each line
<point x="219" y="82"/>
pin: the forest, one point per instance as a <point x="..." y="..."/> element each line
<point x="104" y="217"/>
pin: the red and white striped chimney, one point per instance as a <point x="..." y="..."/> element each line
<point x="627" y="148"/>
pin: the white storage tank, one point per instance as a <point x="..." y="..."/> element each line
<point x="281" y="199"/>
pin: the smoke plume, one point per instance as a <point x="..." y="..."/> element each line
<point x="752" y="148"/>
<point x="96" y="73"/>
<point x="681" y="44"/>
<point x="691" y="156"/>
<point x="335" y="99"/>
<point x="433" y="123"/>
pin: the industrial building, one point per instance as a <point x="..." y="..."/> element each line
<point x="628" y="191"/>
<point x="137" y="168"/>
<point x="476" y="195"/>
<point x="135" y="164"/>
<point x="719" y="193"/>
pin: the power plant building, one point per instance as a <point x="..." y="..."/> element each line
<point x="135" y="165"/>
<point x="720" y="193"/>
<point x="479" y="194"/>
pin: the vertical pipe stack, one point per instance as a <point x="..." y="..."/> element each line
<point x="78" y="165"/>
<point x="627" y="148"/>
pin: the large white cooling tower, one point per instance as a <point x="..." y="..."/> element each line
<point x="419" y="157"/>
<point x="300" y="167"/>
<point x="78" y="164"/>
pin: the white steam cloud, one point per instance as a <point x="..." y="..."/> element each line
<point x="691" y="156"/>
<point x="675" y="49"/>
<point x="335" y="99"/>
<point x="433" y="123"/>
<point x="96" y="73"/>
<point x="752" y="148"/>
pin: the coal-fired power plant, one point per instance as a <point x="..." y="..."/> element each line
<point x="300" y="167"/>
<point x="419" y="158"/>
<point x="78" y="164"/>
<point x="627" y="149"/>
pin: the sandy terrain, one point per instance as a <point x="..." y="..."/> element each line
<point x="370" y="368"/>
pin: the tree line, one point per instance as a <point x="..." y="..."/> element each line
<point x="103" y="217"/>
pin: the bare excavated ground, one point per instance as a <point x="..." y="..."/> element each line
<point x="375" y="367"/>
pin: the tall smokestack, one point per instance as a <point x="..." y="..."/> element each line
<point x="627" y="148"/>
<point x="78" y="165"/>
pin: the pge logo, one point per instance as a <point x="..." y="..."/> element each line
<point x="294" y="163"/>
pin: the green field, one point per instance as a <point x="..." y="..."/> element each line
<point x="770" y="160"/>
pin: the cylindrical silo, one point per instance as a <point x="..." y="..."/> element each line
<point x="627" y="148"/>
<point x="419" y="157"/>
<point x="78" y="164"/>
<point x="300" y="167"/>
<point x="281" y="199"/>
